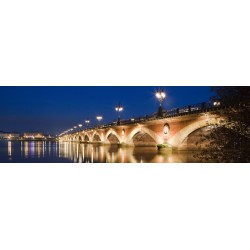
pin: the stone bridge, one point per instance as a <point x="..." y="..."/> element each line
<point x="179" y="131"/>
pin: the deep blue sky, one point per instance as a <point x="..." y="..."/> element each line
<point x="54" y="109"/>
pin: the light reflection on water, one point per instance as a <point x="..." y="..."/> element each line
<point x="9" y="149"/>
<point x="41" y="151"/>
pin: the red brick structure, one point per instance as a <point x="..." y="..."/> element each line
<point x="179" y="132"/>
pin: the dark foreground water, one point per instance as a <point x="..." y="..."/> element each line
<point x="59" y="152"/>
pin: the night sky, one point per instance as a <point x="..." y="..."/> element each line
<point x="52" y="110"/>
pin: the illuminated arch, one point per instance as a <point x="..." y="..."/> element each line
<point x="180" y="136"/>
<point x="86" y="137"/>
<point x="156" y="137"/>
<point x="96" y="134"/>
<point x="112" y="131"/>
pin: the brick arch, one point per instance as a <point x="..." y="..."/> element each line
<point x="112" y="131"/>
<point x="96" y="134"/>
<point x="192" y="140"/>
<point x="150" y="132"/>
<point x="181" y="135"/>
<point x="86" y="137"/>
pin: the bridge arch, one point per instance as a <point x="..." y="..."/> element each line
<point x="180" y="136"/>
<point x="114" y="133"/>
<point x="86" y="138"/>
<point x="96" y="137"/>
<point x="150" y="132"/>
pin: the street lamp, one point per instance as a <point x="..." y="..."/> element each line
<point x="118" y="109"/>
<point x="87" y="122"/>
<point x="160" y="95"/>
<point x="75" y="128"/>
<point x="79" y="125"/>
<point x="216" y="103"/>
<point x="99" y="118"/>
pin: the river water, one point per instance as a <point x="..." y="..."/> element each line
<point x="66" y="152"/>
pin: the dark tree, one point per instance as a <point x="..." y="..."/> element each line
<point x="228" y="141"/>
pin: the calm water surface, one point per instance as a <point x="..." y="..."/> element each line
<point x="56" y="152"/>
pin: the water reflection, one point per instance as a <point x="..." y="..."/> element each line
<point x="91" y="153"/>
<point x="42" y="151"/>
<point x="9" y="149"/>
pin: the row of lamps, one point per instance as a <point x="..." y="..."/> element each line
<point x="160" y="96"/>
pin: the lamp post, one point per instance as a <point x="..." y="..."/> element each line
<point x="87" y="123"/>
<point x="118" y="109"/>
<point x="99" y="118"/>
<point x="74" y="129"/>
<point x="216" y="103"/>
<point x="79" y="125"/>
<point x="160" y="95"/>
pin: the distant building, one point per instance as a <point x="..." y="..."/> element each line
<point x="49" y="137"/>
<point x="9" y="135"/>
<point x="33" y="135"/>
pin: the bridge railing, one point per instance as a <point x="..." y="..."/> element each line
<point x="200" y="107"/>
<point x="190" y="109"/>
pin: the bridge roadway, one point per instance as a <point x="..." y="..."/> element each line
<point x="179" y="129"/>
